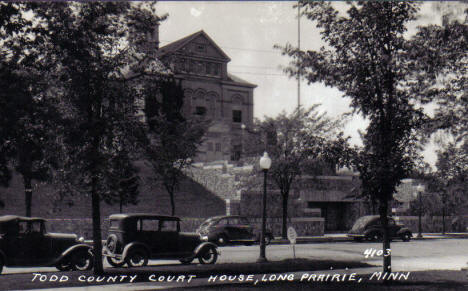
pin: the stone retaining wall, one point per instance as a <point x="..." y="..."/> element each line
<point x="434" y="223"/>
<point x="83" y="227"/>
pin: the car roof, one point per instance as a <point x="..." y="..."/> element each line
<point x="8" y="218"/>
<point x="226" y="216"/>
<point x="142" y="215"/>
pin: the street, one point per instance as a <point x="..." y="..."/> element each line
<point x="430" y="254"/>
<point x="438" y="254"/>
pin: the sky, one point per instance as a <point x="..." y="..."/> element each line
<point x="248" y="31"/>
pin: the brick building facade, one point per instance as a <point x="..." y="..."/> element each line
<point x="211" y="91"/>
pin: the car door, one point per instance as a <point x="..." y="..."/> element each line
<point x="245" y="229"/>
<point x="393" y="227"/>
<point x="168" y="235"/>
<point x="28" y="246"/>
<point x="223" y="227"/>
<point x="148" y="234"/>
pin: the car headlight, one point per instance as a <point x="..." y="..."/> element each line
<point x="81" y="239"/>
<point x="204" y="238"/>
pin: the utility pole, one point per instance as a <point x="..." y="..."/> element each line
<point x="298" y="47"/>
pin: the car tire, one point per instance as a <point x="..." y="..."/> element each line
<point x="64" y="265"/>
<point x="208" y="256"/>
<point x="82" y="260"/>
<point x="222" y="240"/>
<point x="186" y="261"/>
<point x="137" y="258"/>
<point x="406" y="237"/>
<point x="114" y="263"/>
<point x="375" y="236"/>
<point x="2" y="262"/>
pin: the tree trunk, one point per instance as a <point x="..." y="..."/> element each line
<point x="27" y="193"/>
<point x="386" y="237"/>
<point x="97" y="243"/>
<point x="284" y="230"/>
<point x="171" y="195"/>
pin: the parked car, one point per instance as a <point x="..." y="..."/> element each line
<point x="24" y="242"/>
<point x="369" y="228"/>
<point x="135" y="238"/>
<point x="223" y="230"/>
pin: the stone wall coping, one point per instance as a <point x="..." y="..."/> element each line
<point x="306" y="219"/>
<point x="348" y="178"/>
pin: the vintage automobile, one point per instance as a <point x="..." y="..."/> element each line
<point x="369" y="228"/>
<point x="24" y="241"/>
<point x="135" y="238"/>
<point x="224" y="230"/>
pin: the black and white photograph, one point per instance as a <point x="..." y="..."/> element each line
<point x="233" y="145"/>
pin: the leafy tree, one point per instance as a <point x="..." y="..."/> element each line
<point x="368" y="58"/>
<point x="174" y="139"/>
<point x="294" y="142"/>
<point x="28" y="115"/>
<point x="124" y="180"/>
<point x="98" y="58"/>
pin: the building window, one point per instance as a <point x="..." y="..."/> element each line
<point x="191" y="66"/>
<point x="210" y="146"/>
<point x="216" y="69"/>
<point x="218" y="147"/>
<point x="236" y="152"/>
<point x="236" y="116"/>
<point x="200" y="110"/>
<point x="200" y="47"/>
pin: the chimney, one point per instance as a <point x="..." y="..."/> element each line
<point x="152" y="40"/>
<point x="154" y="37"/>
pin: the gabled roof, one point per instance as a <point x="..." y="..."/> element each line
<point x="176" y="45"/>
<point x="238" y="80"/>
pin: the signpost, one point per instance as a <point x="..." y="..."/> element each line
<point x="292" y="236"/>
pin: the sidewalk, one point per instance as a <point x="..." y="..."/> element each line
<point x="341" y="237"/>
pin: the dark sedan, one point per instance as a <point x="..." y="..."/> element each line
<point x="24" y="242"/>
<point x="135" y="238"/>
<point x="369" y="228"/>
<point x="224" y="230"/>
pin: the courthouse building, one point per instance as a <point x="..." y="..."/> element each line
<point x="211" y="91"/>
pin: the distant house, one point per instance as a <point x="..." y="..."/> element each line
<point x="211" y="91"/>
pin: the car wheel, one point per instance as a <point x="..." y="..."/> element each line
<point x="1" y="264"/>
<point x="222" y="240"/>
<point x="82" y="261"/>
<point x="137" y="258"/>
<point x="406" y="236"/>
<point x="208" y="256"/>
<point x="376" y="236"/>
<point x="115" y="263"/>
<point x="64" y="265"/>
<point x="186" y="261"/>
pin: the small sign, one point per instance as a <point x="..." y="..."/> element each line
<point x="292" y="235"/>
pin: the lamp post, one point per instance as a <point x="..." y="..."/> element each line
<point x="420" y="189"/>
<point x="265" y="164"/>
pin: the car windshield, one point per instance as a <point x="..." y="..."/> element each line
<point x="362" y="222"/>
<point x="208" y="222"/>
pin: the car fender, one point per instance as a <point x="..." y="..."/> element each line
<point x="133" y="245"/>
<point x="203" y="246"/>
<point x="403" y="230"/>
<point x="4" y="258"/>
<point x="73" y="249"/>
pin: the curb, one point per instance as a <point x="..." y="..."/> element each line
<point x="325" y="239"/>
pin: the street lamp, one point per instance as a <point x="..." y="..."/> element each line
<point x="265" y="164"/>
<point x="420" y="189"/>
